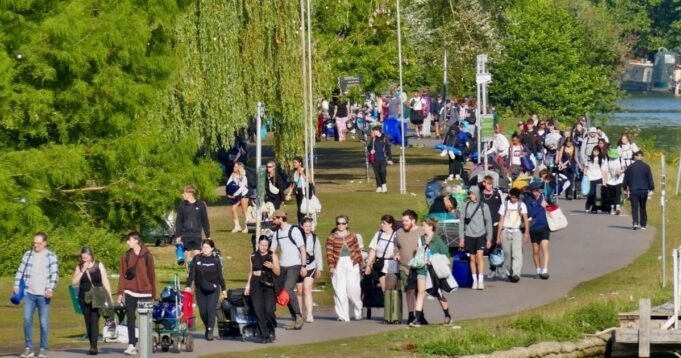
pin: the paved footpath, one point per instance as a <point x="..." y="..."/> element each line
<point x="591" y="246"/>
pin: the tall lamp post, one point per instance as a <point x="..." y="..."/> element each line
<point x="403" y="160"/>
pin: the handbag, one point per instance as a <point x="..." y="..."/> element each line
<point x="586" y="185"/>
<point x="206" y="286"/>
<point x="310" y="206"/>
<point x="16" y="298"/>
<point x="96" y="296"/>
<point x="419" y="259"/>
<point x="555" y="218"/>
<point x="380" y="261"/>
<point x="283" y="298"/>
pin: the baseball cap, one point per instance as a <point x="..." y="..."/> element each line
<point x="592" y="130"/>
<point x="279" y="213"/>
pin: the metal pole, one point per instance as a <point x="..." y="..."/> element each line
<point x="403" y="164"/>
<point x="303" y="46"/>
<point x="309" y="75"/>
<point x="663" y="188"/>
<point x="675" y="256"/>
<point x="678" y="177"/>
<point x="144" y="309"/>
<point x="258" y="164"/>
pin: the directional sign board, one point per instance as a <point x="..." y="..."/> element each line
<point x="481" y="78"/>
<point x="487" y="128"/>
<point x="345" y="82"/>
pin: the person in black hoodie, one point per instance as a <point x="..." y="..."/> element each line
<point x="379" y="149"/>
<point x="638" y="185"/>
<point x="274" y="186"/>
<point x="192" y="217"/>
<point x="205" y="272"/>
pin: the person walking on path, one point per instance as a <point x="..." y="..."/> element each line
<point x="626" y="150"/>
<point x="88" y="274"/>
<point x="493" y="197"/>
<point x="379" y="156"/>
<point x="289" y="238"/>
<point x="40" y="271"/>
<point x="137" y="283"/>
<point x="314" y="265"/>
<point x="205" y="273"/>
<point x="192" y="217"/>
<point x="260" y="286"/>
<point x="512" y="214"/>
<point x="616" y="169"/>
<point x="596" y="170"/>
<point x="341" y="114"/>
<point x="274" y="185"/>
<point x="406" y="244"/>
<point x="434" y="246"/>
<point x="416" y="105"/>
<point x="475" y="231"/>
<point x="344" y="256"/>
<point x="539" y="230"/>
<point x="382" y="254"/>
<point x="237" y="193"/>
<point x="299" y="184"/>
<point x="639" y="185"/>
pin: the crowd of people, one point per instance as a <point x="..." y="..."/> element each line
<point x="505" y="206"/>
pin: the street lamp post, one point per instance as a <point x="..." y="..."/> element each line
<point x="403" y="164"/>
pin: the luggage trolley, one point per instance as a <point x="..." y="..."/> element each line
<point x="171" y="329"/>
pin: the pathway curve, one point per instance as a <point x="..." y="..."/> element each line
<point x="591" y="246"/>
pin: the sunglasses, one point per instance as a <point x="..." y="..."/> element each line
<point x="341" y="223"/>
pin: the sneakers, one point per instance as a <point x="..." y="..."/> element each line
<point x="245" y="230"/>
<point x="384" y="188"/>
<point x="130" y="351"/>
<point x="644" y="228"/>
<point x="544" y="276"/>
<point x="237" y="228"/>
<point x="481" y="285"/>
<point x="448" y="321"/>
<point x="415" y="324"/>
<point x="28" y="353"/>
<point x="475" y="285"/>
<point x="443" y="153"/>
<point x="451" y="177"/>
<point x="635" y="227"/>
<point x="209" y="335"/>
<point x="452" y="156"/>
<point x="298" y="324"/>
<point x="42" y="354"/>
<point x="379" y="189"/>
<point x="514" y="278"/>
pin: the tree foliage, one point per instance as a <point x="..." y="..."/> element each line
<point x="82" y="149"/>
<point x="560" y="59"/>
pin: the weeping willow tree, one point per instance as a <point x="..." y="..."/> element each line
<point x="235" y="54"/>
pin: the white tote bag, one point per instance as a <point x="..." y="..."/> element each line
<point x="310" y="206"/>
<point x="555" y="218"/>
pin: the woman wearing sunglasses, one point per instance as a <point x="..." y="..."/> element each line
<point x="344" y="256"/>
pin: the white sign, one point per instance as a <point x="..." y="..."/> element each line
<point x="483" y="78"/>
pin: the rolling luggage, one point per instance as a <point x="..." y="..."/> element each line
<point x="372" y="294"/>
<point x="599" y="204"/>
<point x="235" y="316"/>
<point x="392" y="307"/>
<point x="461" y="269"/>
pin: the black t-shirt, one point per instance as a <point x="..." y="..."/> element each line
<point x="494" y="203"/>
<point x="85" y="284"/>
<point x="342" y="110"/>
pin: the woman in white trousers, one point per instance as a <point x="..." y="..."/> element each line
<point x="344" y="256"/>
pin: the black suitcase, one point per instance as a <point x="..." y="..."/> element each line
<point x="372" y="294"/>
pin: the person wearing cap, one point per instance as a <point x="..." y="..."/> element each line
<point x="293" y="254"/>
<point x="539" y="231"/>
<point x="639" y="185"/>
<point x="615" y="179"/>
<point x="475" y="231"/>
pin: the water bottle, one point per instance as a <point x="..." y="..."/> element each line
<point x="179" y="254"/>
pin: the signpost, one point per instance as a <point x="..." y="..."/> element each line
<point x="403" y="160"/>
<point x="482" y="79"/>
<point x="346" y="82"/>
<point x="663" y="204"/>
<point x="260" y="170"/>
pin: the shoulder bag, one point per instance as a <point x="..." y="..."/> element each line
<point x="380" y="262"/>
<point x="96" y="296"/>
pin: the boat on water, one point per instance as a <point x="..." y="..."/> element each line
<point x="661" y="75"/>
<point x="638" y="76"/>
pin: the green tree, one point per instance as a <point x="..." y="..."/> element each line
<point x="83" y="151"/>
<point x="557" y="61"/>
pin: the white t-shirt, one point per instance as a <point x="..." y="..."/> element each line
<point x="516" y="153"/>
<point x="383" y="243"/>
<point x="290" y="254"/>
<point x="419" y="102"/>
<point x="512" y="213"/>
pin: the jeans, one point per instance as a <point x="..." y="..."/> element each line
<point x="290" y="278"/>
<point x="31" y="302"/>
<point x="638" y="207"/>
<point x="380" y="172"/>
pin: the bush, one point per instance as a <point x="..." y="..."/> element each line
<point x="66" y="243"/>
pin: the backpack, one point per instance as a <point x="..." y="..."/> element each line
<point x="290" y="231"/>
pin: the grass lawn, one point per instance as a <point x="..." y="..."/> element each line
<point x="342" y="189"/>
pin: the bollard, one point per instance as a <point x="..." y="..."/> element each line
<point x="144" y="309"/>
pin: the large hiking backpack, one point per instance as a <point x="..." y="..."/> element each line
<point x="433" y="189"/>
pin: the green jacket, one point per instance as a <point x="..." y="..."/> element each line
<point x="437" y="246"/>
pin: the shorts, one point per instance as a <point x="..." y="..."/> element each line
<point x="411" y="279"/>
<point x="310" y="273"/>
<point x="538" y="236"/>
<point x="416" y="118"/>
<point x="474" y="244"/>
<point x="191" y="243"/>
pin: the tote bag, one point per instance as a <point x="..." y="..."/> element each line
<point x="555" y="218"/>
<point x="586" y="185"/>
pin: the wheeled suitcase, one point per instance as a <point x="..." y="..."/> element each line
<point x="392" y="306"/>
<point x="461" y="269"/>
<point x="599" y="203"/>
<point x="372" y="294"/>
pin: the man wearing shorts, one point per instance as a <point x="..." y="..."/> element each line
<point x="539" y="231"/>
<point x="192" y="217"/>
<point x="512" y="213"/>
<point x="475" y="231"/>
<point x="406" y="244"/>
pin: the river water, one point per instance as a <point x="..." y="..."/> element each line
<point x="658" y="114"/>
